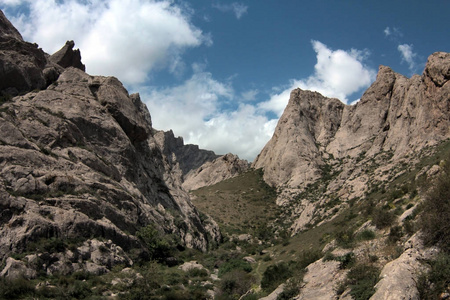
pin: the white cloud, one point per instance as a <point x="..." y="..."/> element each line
<point x="126" y="39"/>
<point x="392" y="33"/>
<point x="408" y="55"/>
<point x="192" y="110"/>
<point x="11" y="2"/>
<point x="337" y="74"/>
<point x="249" y="95"/>
<point x="239" y="9"/>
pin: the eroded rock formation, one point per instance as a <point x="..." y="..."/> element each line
<point x="78" y="158"/>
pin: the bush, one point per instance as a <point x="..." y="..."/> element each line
<point x="435" y="218"/>
<point x="234" y="264"/>
<point x="275" y="275"/>
<point x="437" y="280"/>
<point x="308" y="257"/>
<point x="366" y="235"/>
<point x="235" y="284"/>
<point x="395" y="234"/>
<point x="345" y="239"/>
<point x="15" y="289"/>
<point x="159" y="246"/>
<point x="362" y="279"/>
<point x="382" y="218"/>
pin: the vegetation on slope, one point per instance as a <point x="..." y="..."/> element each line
<point x="257" y="253"/>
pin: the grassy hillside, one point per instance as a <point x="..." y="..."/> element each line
<point x="243" y="204"/>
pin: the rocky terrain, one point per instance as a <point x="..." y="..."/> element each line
<point x="79" y="160"/>
<point x="95" y="203"/>
<point x="353" y="147"/>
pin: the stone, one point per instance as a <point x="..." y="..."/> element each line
<point x="320" y="281"/>
<point x="191" y="265"/>
<point x="15" y="269"/>
<point x="399" y="277"/>
<point x="324" y="145"/>
<point x="68" y="57"/>
<point x="212" y="172"/>
<point x="78" y="159"/>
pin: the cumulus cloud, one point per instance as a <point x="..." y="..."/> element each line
<point x="195" y="107"/>
<point x="238" y="9"/>
<point x="196" y="104"/>
<point x="127" y="39"/>
<point x="408" y="55"/>
<point x="337" y="73"/>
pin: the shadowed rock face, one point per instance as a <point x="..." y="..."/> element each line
<point x="396" y="114"/>
<point x="78" y="158"/>
<point x="67" y="57"/>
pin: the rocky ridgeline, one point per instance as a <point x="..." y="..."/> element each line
<point x="323" y="149"/>
<point x="79" y="160"/>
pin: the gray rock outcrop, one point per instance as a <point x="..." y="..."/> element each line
<point x="78" y="160"/>
<point x="224" y="167"/>
<point x="395" y="114"/>
<point x="184" y="157"/>
<point x="323" y="150"/>
<point x="68" y="57"/>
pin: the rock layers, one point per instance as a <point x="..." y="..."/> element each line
<point x="395" y="114"/>
<point x="78" y="157"/>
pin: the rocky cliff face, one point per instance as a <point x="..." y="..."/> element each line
<point x="194" y="168"/>
<point x="224" y="167"/>
<point x="78" y="158"/>
<point x="323" y="149"/>
<point x="395" y="114"/>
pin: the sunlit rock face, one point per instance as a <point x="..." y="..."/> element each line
<point x="78" y="158"/>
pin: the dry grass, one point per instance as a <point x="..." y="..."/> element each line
<point x="240" y="204"/>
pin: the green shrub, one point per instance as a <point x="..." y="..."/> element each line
<point x="362" y="279"/>
<point x="235" y="284"/>
<point x="437" y="280"/>
<point x="395" y="234"/>
<point x="308" y="257"/>
<point x="275" y="275"/>
<point x="366" y="235"/>
<point x="344" y="239"/>
<point x="382" y="218"/>
<point x="158" y="246"/>
<point x="435" y="218"/>
<point x="16" y="288"/>
<point x="291" y="290"/>
<point x="346" y="260"/>
<point x="234" y="264"/>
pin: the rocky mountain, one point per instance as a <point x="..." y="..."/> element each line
<point x="395" y="114"/>
<point x="349" y="149"/>
<point x="79" y="160"/>
<point x="94" y="201"/>
<point x="196" y="167"/>
<point x="212" y="172"/>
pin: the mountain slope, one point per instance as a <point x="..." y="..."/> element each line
<point x="78" y="159"/>
<point x="395" y="114"/>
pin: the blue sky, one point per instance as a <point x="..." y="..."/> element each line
<point x="219" y="73"/>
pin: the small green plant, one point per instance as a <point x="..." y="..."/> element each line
<point x="235" y="284"/>
<point x="437" y="280"/>
<point x="16" y="288"/>
<point x="395" y="234"/>
<point x="366" y="235"/>
<point x="362" y="279"/>
<point x="435" y="218"/>
<point x="234" y="264"/>
<point x="275" y="275"/>
<point x="158" y="246"/>
<point x="345" y="239"/>
<point x="382" y="218"/>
